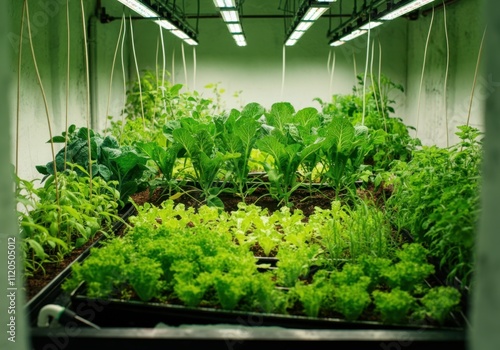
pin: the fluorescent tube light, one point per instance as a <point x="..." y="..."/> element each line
<point x="190" y="42"/>
<point x="352" y="35"/>
<point x="180" y="34"/>
<point x="224" y="3"/>
<point x="313" y="13"/>
<point x="326" y="0"/>
<point x="234" y="28"/>
<point x="296" y="35"/>
<point x="371" y="25"/>
<point x="413" y="5"/>
<point x="304" y="25"/>
<point x="166" y="24"/>
<point x="240" y="39"/>
<point x="140" y="8"/>
<point x="146" y="12"/>
<point x="337" y="43"/>
<point x="230" y="15"/>
<point x="290" y="42"/>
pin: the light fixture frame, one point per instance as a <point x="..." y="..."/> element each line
<point x="165" y="17"/>
<point x="232" y="6"/>
<point x="370" y="17"/>
<point x="294" y="31"/>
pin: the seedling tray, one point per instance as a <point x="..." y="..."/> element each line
<point x="131" y="313"/>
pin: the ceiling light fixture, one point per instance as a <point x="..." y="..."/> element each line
<point x="403" y="8"/>
<point x="173" y="24"/>
<point x="359" y="25"/>
<point x="229" y="12"/>
<point x="309" y="11"/>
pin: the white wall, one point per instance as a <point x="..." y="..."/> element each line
<point x="439" y="107"/>
<point x="256" y="70"/>
<point x="49" y="36"/>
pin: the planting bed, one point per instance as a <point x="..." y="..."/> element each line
<point x="168" y="319"/>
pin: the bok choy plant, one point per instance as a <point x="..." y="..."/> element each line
<point x="289" y="146"/>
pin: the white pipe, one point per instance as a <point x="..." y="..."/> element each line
<point x="47" y="312"/>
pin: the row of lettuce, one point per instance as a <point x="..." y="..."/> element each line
<point x="168" y="139"/>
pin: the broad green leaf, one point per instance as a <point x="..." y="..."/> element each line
<point x="252" y="110"/>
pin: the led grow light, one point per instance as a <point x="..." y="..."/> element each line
<point x="230" y="16"/>
<point x="309" y="11"/>
<point x="353" y="34"/>
<point x="337" y="43"/>
<point x="224" y="3"/>
<point x="234" y="28"/>
<point x="140" y="8"/>
<point x="240" y="39"/>
<point x="145" y="11"/>
<point x="371" y="25"/>
<point x="401" y="10"/>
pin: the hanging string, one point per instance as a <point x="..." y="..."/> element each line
<point x="194" y="68"/>
<point x="67" y="84"/>
<point x="184" y="65"/>
<point x="445" y="94"/>
<point x="87" y="78"/>
<point x="382" y="104"/>
<point x="475" y="76"/>
<point x="374" y="84"/>
<point x="283" y="64"/>
<point x="423" y="70"/>
<point x="157" y="79"/>
<point x="365" y="76"/>
<point x="137" y="71"/>
<point x="45" y="103"/>
<point x="123" y="75"/>
<point x="163" y="70"/>
<point x="112" y="73"/>
<point x="332" y="71"/>
<point x="355" y="69"/>
<point x="328" y="61"/>
<point x="18" y="115"/>
<point x="173" y="66"/>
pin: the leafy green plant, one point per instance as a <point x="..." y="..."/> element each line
<point x="50" y="231"/>
<point x="394" y="306"/>
<point x="152" y="101"/>
<point x="312" y="296"/>
<point x="439" y="302"/>
<point x="238" y="133"/>
<point x="294" y="263"/>
<point x="289" y="147"/>
<point x="352" y="299"/>
<point x="125" y="166"/>
<point x="165" y="160"/>
<point x="197" y="142"/>
<point x="436" y="199"/>
<point x="411" y="269"/>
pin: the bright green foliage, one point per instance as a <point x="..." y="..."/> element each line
<point x="312" y="296"/>
<point x="238" y="133"/>
<point x="204" y="258"/>
<point x="152" y="101"/>
<point x="352" y="299"/>
<point x="411" y="269"/>
<point x="125" y="166"/>
<point x="439" y="302"/>
<point x="290" y="145"/>
<point x="394" y="306"/>
<point x="436" y="198"/>
<point x="52" y="227"/>
<point x="197" y="142"/>
<point x="294" y="262"/>
<point x="387" y="138"/>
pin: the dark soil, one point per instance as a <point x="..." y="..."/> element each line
<point x="305" y="200"/>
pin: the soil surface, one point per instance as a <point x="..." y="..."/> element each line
<point x="303" y="199"/>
